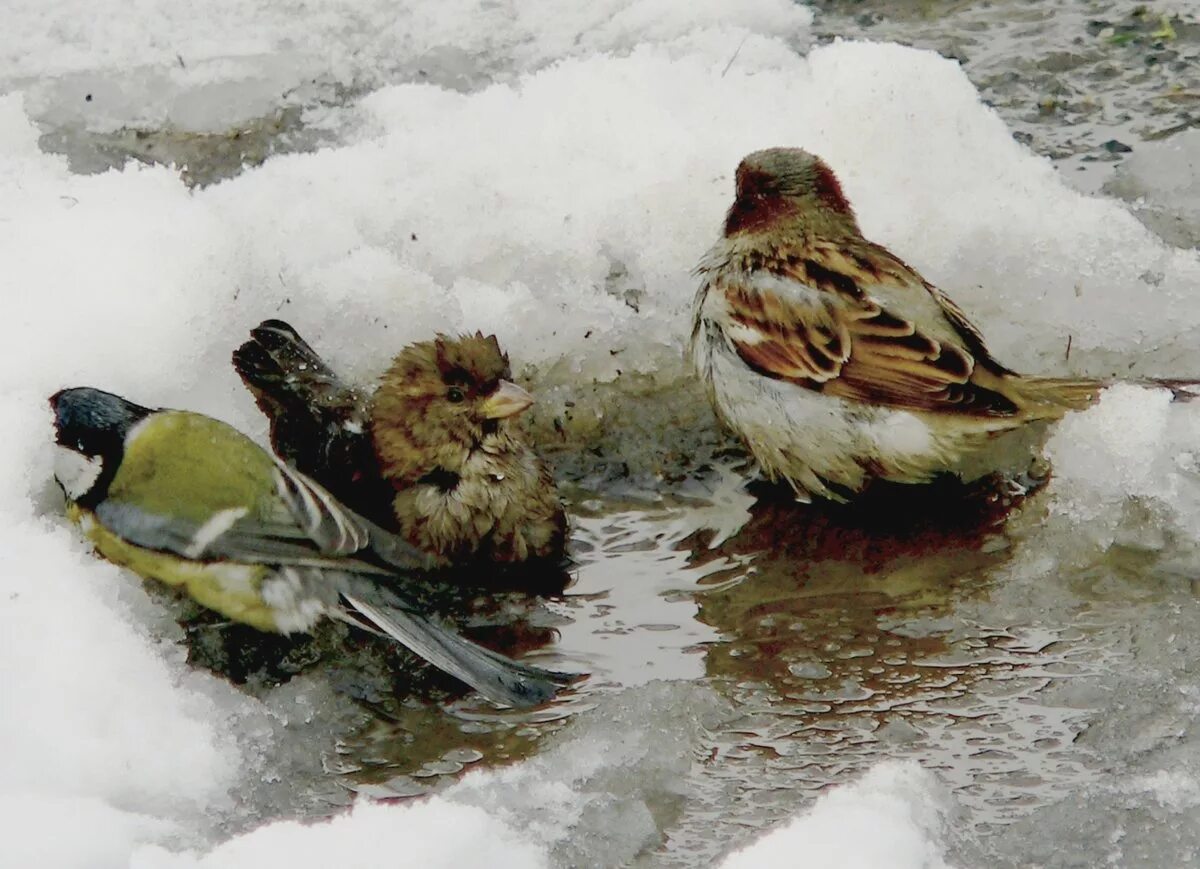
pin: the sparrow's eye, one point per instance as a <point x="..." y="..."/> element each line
<point x="455" y="394"/>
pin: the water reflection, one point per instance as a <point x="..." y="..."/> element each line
<point x="840" y="605"/>
<point x="846" y="641"/>
<point x="840" y="637"/>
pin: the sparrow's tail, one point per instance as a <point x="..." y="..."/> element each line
<point x="500" y="679"/>
<point x="1051" y="397"/>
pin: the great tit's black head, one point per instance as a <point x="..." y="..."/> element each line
<point x="90" y="426"/>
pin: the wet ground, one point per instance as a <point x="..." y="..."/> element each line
<point x="832" y="640"/>
<point x="829" y="639"/>
<point x="1083" y="81"/>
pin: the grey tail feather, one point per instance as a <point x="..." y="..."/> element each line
<point x="395" y="550"/>
<point x="500" y="679"/>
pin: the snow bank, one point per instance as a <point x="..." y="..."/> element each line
<point x="434" y="833"/>
<point x="96" y="65"/>
<point x="588" y="799"/>
<point x="586" y="171"/>
<point x="1126" y="474"/>
<point x="892" y="816"/>
<point x="1161" y="183"/>
<point x="560" y="198"/>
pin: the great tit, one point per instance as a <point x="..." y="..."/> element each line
<point x="192" y="502"/>
<point x="433" y="453"/>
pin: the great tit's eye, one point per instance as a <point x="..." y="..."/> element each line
<point x="455" y="394"/>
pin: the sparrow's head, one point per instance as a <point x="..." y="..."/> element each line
<point x="440" y="400"/>
<point x="788" y="186"/>
<point x="90" y="427"/>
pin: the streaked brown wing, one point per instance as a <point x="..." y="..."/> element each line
<point x="848" y="345"/>
<point x="785" y="340"/>
<point x="914" y="372"/>
<point x="886" y="268"/>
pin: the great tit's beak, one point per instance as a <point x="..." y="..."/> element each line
<point x="508" y="400"/>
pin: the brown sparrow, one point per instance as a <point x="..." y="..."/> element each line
<point x="834" y="360"/>
<point x="430" y="453"/>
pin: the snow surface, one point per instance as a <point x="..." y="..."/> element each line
<point x="577" y="142"/>
<point x="892" y="816"/>
<point x="1162" y="183"/>
<point x="436" y="832"/>
<point x="207" y="68"/>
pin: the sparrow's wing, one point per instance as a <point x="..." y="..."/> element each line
<point x="832" y="322"/>
<point x="302" y="524"/>
<point x="928" y="304"/>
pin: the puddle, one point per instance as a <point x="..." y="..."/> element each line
<point x="835" y="646"/>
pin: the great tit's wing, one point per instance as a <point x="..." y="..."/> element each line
<point x="302" y="524"/>
<point x="384" y="610"/>
<point x="500" y="679"/>
<point x="337" y="529"/>
<point x="229" y="535"/>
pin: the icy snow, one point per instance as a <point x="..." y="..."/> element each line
<point x="579" y="141"/>
<point x="433" y="833"/>
<point x="892" y="816"/>
<point x="205" y="69"/>
<point x="1161" y="181"/>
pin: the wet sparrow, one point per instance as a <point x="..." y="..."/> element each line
<point x="430" y="453"/>
<point x="833" y="359"/>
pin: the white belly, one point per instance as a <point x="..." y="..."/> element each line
<point x="823" y="445"/>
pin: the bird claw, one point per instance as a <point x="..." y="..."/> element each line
<point x="1022" y="484"/>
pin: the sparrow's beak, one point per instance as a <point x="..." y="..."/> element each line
<point x="508" y="400"/>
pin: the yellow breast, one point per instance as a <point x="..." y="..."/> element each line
<point x="232" y="589"/>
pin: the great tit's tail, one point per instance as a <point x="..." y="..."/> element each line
<point x="500" y="679"/>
